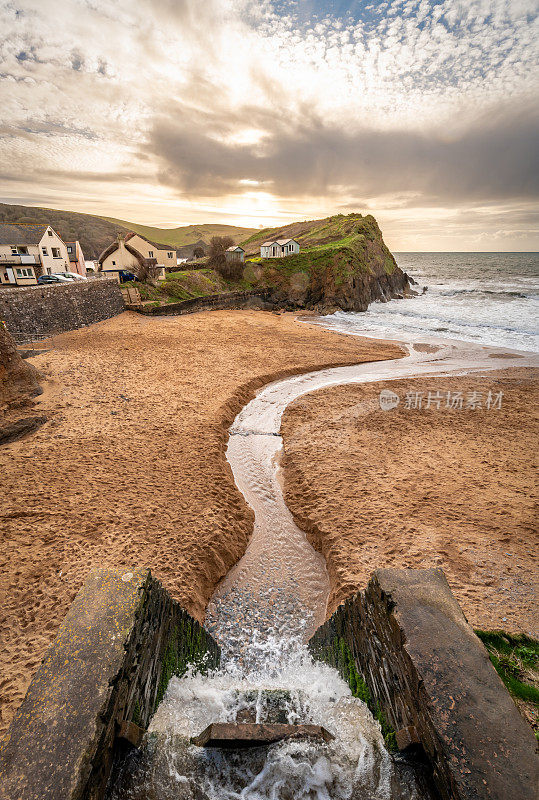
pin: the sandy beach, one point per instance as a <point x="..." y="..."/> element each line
<point x="422" y="487"/>
<point x="130" y="469"/>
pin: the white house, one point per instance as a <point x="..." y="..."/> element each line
<point x="129" y="251"/>
<point x="279" y="248"/>
<point x="28" y="251"/>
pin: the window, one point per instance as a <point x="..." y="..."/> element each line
<point x="56" y="252"/>
<point x="49" y="232"/>
<point x="170" y="255"/>
<point x="69" y="249"/>
<point x="44" y="251"/>
<point x="150" y="253"/>
<point x="13" y="250"/>
<point x="24" y="272"/>
<point x="114" y="263"/>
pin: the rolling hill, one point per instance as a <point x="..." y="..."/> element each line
<point x="186" y="235"/>
<point x="95" y="233"/>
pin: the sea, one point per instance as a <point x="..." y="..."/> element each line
<point x="486" y="298"/>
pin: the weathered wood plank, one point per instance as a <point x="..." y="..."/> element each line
<point x="250" y="734"/>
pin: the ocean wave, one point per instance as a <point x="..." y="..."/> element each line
<point x="487" y="293"/>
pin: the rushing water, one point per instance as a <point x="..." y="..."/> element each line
<point x="485" y="298"/>
<point x="262" y="614"/>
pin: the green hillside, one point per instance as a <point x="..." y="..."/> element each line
<point x="186" y="235"/>
<point x="332" y="232"/>
<point x="95" y="233"/>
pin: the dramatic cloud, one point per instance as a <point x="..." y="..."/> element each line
<point x="421" y="111"/>
<point x="495" y="158"/>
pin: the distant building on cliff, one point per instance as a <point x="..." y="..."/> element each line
<point x="279" y="248"/>
<point x="235" y="253"/>
<point x="28" y="251"/>
<point x="132" y="251"/>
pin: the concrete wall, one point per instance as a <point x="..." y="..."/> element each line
<point x="432" y="679"/>
<point x="97" y="687"/>
<point x="46" y="310"/>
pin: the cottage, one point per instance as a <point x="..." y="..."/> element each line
<point x="129" y="252"/>
<point x="235" y="253"/>
<point x="279" y="248"/>
<point x="28" y="251"/>
<point x="76" y="258"/>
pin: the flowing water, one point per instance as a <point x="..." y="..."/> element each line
<point x="262" y="614"/>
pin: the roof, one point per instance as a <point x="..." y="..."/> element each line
<point x="277" y="241"/>
<point x="21" y="233"/>
<point x="167" y="247"/>
<point x="234" y="248"/>
<point x="134" y="252"/>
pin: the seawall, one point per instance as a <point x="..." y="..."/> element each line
<point x="224" y="301"/>
<point x="47" y="310"/>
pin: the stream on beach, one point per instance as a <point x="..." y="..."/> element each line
<point x="262" y="614"/>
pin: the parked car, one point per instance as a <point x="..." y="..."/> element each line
<point x="125" y="276"/>
<point x="56" y="278"/>
<point x="72" y="276"/>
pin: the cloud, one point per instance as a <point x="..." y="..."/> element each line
<point x="494" y="158"/>
<point x="401" y="104"/>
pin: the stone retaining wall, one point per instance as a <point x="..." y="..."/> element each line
<point x="97" y="687"/>
<point x="47" y="310"/>
<point x="431" y="678"/>
<point x="226" y="300"/>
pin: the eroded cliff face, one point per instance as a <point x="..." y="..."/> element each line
<point x="18" y="379"/>
<point x="345" y="265"/>
<point x="19" y="382"/>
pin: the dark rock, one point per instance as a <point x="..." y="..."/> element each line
<point x="11" y="431"/>
<point x="18" y="380"/>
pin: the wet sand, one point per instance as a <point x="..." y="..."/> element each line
<point x="423" y="487"/>
<point x="130" y="469"/>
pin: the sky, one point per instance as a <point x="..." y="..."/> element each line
<point x="423" y="113"/>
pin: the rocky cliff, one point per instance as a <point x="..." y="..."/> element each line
<point x="18" y="383"/>
<point x="343" y="264"/>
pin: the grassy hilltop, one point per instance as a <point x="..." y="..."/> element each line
<point x="333" y="250"/>
<point x="184" y="236"/>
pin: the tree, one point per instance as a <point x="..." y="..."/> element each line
<point x="148" y="270"/>
<point x="218" y="246"/>
<point x="199" y="252"/>
<point x="229" y="270"/>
